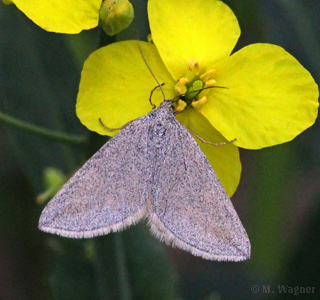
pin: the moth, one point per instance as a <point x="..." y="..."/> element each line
<point x="152" y="169"/>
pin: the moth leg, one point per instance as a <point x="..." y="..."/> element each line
<point x="113" y="129"/>
<point x="152" y="105"/>
<point x="204" y="141"/>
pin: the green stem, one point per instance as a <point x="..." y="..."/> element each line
<point x="46" y="133"/>
<point x="125" y="290"/>
<point x="104" y="282"/>
<point x="110" y="267"/>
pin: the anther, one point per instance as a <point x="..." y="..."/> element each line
<point x="210" y="83"/>
<point x="180" y="86"/>
<point x="193" y="66"/>
<point x="207" y="75"/>
<point x="180" y="106"/>
<point x="197" y="104"/>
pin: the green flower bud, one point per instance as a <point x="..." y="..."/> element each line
<point x="115" y="16"/>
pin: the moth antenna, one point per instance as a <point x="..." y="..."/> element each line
<point x="153" y="106"/>
<point x="198" y="92"/>
<point x="145" y="61"/>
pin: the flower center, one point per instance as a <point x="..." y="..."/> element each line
<point x="194" y="86"/>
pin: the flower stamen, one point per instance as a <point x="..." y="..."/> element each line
<point x="193" y="66"/>
<point x="180" y="106"/>
<point x="207" y="75"/>
<point x="197" y="104"/>
<point x="190" y="89"/>
<point x="180" y="86"/>
<point x="210" y="83"/>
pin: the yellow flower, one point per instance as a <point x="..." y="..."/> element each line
<point x="73" y="16"/>
<point x="268" y="97"/>
<point x="65" y="16"/>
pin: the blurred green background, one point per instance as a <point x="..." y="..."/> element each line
<point x="277" y="200"/>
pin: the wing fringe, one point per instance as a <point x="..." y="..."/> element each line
<point x="163" y="234"/>
<point x="131" y="220"/>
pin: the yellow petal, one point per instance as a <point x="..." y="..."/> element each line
<point x="269" y="97"/>
<point x="223" y="158"/>
<point x="64" y="16"/>
<point x="184" y="30"/>
<point x="116" y="84"/>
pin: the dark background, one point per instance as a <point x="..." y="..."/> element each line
<point x="277" y="200"/>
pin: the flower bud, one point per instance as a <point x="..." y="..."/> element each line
<point x="115" y="16"/>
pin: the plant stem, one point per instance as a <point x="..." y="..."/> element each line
<point x="43" y="132"/>
<point x="120" y="254"/>
<point x="110" y="267"/>
<point x="104" y="282"/>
